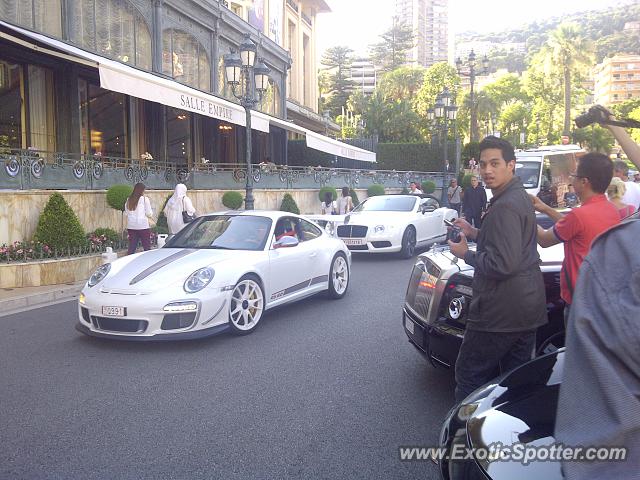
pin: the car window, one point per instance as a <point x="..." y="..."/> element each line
<point x="387" y="204"/>
<point x="309" y="230"/>
<point x="228" y="232"/>
<point x="287" y="227"/>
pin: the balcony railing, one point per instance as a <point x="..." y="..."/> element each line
<point x="306" y="18"/>
<point x="293" y="4"/>
<point x="31" y="169"/>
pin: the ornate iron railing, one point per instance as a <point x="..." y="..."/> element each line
<point x="31" y="169"/>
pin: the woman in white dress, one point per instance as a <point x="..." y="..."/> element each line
<point x="178" y="203"/>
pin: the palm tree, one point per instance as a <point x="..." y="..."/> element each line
<point x="570" y="50"/>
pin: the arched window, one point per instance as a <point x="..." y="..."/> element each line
<point x="184" y="59"/>
<point x="112" y="28"/>
<point x="41" y="15"/>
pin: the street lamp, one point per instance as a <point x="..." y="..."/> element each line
<point x="471" y="73"/>
<point x="248" y="77"/>
<point x="446" y="110"/>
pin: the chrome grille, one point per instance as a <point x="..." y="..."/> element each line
<point x="352" y="231"/>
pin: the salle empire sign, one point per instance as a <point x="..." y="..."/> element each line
<point x="206" y="107"/>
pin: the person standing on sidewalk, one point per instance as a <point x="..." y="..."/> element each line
<point x="178" y="203"/>
<point x="508" y="302"/>
<point x="453" y="194"/>
<point x="138" y="210"/>
<point x="578" y="228"/>
<point x="474" y="202"/>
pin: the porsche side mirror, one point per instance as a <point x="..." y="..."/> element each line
<point x="286" y="242"/>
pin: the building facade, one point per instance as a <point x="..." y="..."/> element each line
<point x="363" y="76"/>
<point x="429" y="20"/>
<point x="617" y="79"/>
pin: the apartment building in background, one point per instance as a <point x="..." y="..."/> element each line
<point x="429" y="20"/>
<point x="617" y="79"/>
<point x="292" y="25"/>
<point x="363" y="76"/>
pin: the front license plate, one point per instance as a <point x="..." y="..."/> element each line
<point x="353" y="241"/>
<point x="114" y="311"/>
<point x="409" y="324"/>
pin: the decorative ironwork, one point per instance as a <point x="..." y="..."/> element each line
<point x="12" y="166"/>
<point x="78" y="169"/>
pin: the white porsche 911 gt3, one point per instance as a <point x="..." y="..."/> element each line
<point x="222" y="271"/>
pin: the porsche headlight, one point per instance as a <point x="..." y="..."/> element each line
<point x="199" y="279"/>
<point x="99" y="275"/>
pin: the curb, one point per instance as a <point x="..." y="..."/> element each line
<point x="30" y="298"/>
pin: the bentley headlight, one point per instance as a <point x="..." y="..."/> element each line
<point x="378" y="229"/>
<point x="199" y="279"/>
<point x="99" y="274"/>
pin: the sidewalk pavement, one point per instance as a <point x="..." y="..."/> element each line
<point x="16" y="300"/>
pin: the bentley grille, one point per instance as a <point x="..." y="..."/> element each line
<point x="352" y="231"/>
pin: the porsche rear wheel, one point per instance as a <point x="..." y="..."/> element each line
<point x="408" y="243"/>
<point x="246" y="306"/>
<point x="338" y="276"/>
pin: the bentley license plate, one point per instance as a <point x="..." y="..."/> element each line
<point x="353" y="241"/>
<point x="114" y="311"/>
<point x="409" y="324"/>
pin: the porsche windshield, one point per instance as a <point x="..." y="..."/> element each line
<point x="225" y="232"/>
<point x="386" y="204"/>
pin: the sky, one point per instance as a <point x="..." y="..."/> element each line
<point x="357" y="23"/>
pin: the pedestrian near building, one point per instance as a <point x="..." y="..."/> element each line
<point x="413" y="189"/>
<point x="578" y="228"/>
<point x="509" y="298"/>
<point x="454" y="195"/>
<point x="328" y="207"/>
<point x="178" y="203"/>
<point x="615" y="193"/>
<point x="138" y="210"/>
<point x="632" y="192"/>
<point x="474" y="202"/>
<point x="345" y="203"/>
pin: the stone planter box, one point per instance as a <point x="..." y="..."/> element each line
<point x="48" y="272"/>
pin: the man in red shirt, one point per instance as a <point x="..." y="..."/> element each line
<point x="581" y="225"/>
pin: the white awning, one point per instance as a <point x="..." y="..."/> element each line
<point x="118" y="77"/>
<point x="320" y="142"/>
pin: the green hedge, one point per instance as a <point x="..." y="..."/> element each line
<point x="375" y="190"/>
<point x="232" y="200"/>
<point x="58" y="226"/>
<point x="323" y="190"/>
<point x="428" y="186"/>
<point x="418" y="157"/>
<point x="289" y="204"/>
<point x="117" y="195"/>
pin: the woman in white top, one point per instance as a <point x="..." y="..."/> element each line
<point x="138" y="209"/>
<point x="178" y="203"/>
<point x="328" y="207"/>
<point x="345" y="203"/>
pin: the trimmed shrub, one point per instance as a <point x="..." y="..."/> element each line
<point x="354" y="197"/>
<point x="117" y="196"/>
<point x="428" y="186"/>
<point x="334" y="193"/>
<point x="58" y="226"/>
<point x="289" y="204"/>
<point x="232" y="200"/>
<point x="375" y="190"/>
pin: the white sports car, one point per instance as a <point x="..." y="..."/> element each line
<point x="391" y="223"/>
<point x="222" y="271"/>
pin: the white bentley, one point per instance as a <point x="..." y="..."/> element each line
<point x="391" y="223"/>
<point x="222" y="271"/>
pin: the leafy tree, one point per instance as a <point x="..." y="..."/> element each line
<point x="512" y="121"/>
<point x="58" y="226"/>
<point x="594" y="138"/>
<point x="391" y="52"/>
<point x="338" y="85"/>
<point x="436" y="77"/>
<point x="402" y="83"/>
<point x="570" y="51"/>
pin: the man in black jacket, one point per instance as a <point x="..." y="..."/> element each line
<point x="508" y="289"/>
<point x="474" y="202"/>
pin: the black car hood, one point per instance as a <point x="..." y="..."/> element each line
<point x="521" y="409"/>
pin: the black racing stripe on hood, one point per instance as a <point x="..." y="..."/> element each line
<point x="162" y="263"/>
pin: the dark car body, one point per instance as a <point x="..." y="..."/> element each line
<point x="439" y="294"/>
<point x="517" y="409"/>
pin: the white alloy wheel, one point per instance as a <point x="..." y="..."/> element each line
<point x="246" y="306"/>
<point x="338" y="276"/>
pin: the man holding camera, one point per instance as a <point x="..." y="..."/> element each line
<point x="508" y="289"/>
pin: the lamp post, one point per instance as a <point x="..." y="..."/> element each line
<point x="248" y="77"/>
<point x="471" y="73"/>
<point x="446" y="110"/>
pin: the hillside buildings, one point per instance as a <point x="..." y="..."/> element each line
<point x="617" y="79"/>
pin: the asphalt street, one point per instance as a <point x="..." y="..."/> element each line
<point x="322" y="389"/>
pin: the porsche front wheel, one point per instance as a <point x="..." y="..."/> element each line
<point x="338" y="276"/>
<point x="246" y="305"/>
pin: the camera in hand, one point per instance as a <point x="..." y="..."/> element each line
<point x="453" y="234"/>
<point x="596" y="114"/>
